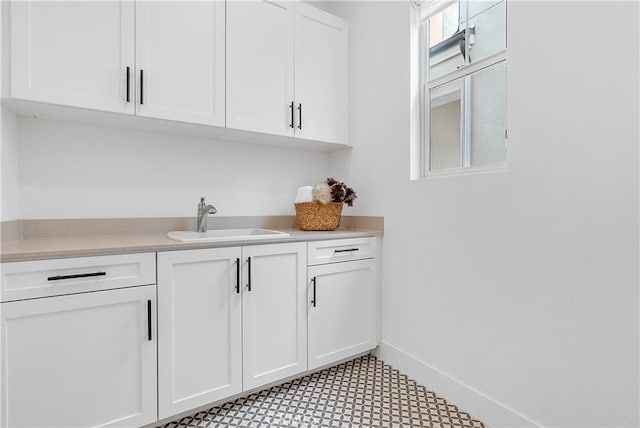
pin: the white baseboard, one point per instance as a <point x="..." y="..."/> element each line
<point x="479" y="405"/>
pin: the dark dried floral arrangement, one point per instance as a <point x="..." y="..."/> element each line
<point x="333" y="190"/>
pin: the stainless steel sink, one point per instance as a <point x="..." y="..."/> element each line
<point x="226" y="235"/>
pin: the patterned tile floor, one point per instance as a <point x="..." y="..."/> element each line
<point x="362" y="392"/>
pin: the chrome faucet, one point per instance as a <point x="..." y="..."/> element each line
<point x="203" y="210"/>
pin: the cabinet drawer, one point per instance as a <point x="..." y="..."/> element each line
<point x="43" y="278"/>
<point x="341" y="250"/>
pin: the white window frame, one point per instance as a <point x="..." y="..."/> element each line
<point x="425" y="101"/>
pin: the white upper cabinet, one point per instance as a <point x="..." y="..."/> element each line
<point x="180" y="54"/>
<point x="287" y="70"/>
<point x="158" y="59"/>
<point x="73" y="53"/>
<point x="321" y="88"/>
<point x="260" y="71"/>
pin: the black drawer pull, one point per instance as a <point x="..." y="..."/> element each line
<point x="291" y="107"/>
<point x="348" y="250"/>
<point x="248" y="273"/>
<point x="77" y="275"/>
<point x="238" y="275"/>
<point x="128" y="84"/>
<point x="149" y="319"/>
<point x="313" y="302"/>
<point x="141" y="87"/>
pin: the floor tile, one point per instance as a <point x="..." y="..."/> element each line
<point x="364" y="392"/>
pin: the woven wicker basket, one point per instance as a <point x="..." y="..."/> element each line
<point x="316" y="216"/>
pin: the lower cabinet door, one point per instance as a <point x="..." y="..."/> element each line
<point x="199" y="324"/>
<point x="342" y="311"/>
<point x="274" y="313"/>
<point x="81" y="360"/>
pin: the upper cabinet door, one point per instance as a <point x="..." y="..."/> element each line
<point x="180" y="54"/>
<point x="260" y="49"/>
<point x="321" y="63"/>
<point x="73" y="53"/>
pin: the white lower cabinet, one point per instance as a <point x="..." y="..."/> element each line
<point x="228" y="320"/>
<point x="80" y="360"/>
<point x="199" y="323"/>
<point x="274" y="317"/>
<point x="224" y="327"/>
<point x="342" y="311"/>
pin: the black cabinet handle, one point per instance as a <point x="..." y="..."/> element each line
<point x="249" y="273"/>
<point x="349" y="250"/>
<point x="300" y="116"/>
<point x="313" y="302"/>
<point x="76" y="275"/>
<point x="149" y="319"/>
<point x="238" y="275"/>
<point x="128" y="84"/>
<point x="141" y="86"/>
<point x="291" y="107"/>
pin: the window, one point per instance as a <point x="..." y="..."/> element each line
<point x="464" y="65"/>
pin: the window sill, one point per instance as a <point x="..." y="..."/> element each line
<point x="455" y="172"/>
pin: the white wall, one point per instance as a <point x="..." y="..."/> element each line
<point x="82" y="171"/>
<point x="9" y="200"/>
<point x="516" y="292"/>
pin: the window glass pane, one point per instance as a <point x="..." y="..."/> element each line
<point x="475" y="7"/>
<point x="487" y="121"/>
<point x="443" y="24"/>
<point x="445" y="122"/>
<point x="487" y="32"/>
<point x="444" y="42"/>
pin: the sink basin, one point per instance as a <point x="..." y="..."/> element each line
<point x="226" y="235"/>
